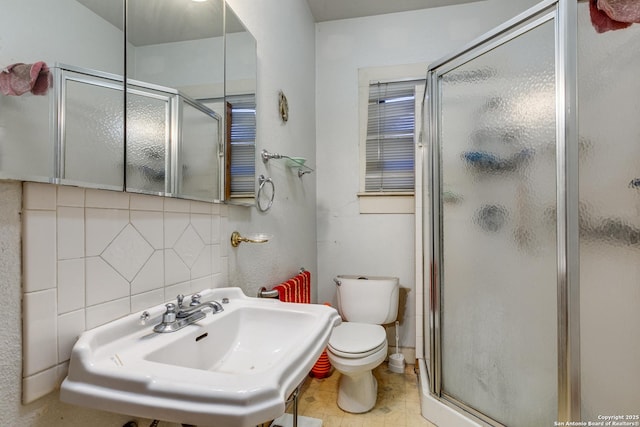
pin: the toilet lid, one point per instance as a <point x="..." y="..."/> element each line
<point x="352" y="339"/>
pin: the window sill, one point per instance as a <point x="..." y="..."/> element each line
<point x="241" y="201"/>
<point x="386" y="203"/>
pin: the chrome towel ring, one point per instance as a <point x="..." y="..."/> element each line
<point x="264" y="202"/>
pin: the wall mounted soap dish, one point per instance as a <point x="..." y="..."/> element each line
<point x="292" y="162"/>
<point x="295" y="162"/>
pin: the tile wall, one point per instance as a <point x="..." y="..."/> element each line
<point x="92" y="256"/>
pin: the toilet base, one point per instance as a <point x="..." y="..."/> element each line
<point x="357" y="392"/>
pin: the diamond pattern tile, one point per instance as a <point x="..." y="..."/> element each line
<point x="189" y="246"/>
<point x="128" y="252"/>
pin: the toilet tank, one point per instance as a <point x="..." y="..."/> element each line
<point x="368" y="299"/>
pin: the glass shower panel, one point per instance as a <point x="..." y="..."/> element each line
<point x="609" y="164"/>
<point x="498" y="207"/>
<point x="93" y="132"/>
<point x="148" y="136"/>
<point x="199" y="153"/>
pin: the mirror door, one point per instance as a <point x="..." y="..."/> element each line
<point x="178" y="56"/>
<point x="175" y="55"/>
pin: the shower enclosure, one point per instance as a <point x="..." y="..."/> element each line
<point x="534" y="176"/>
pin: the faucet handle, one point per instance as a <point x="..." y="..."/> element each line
<point x="168" y="319"/>
<point x="180" y="299"/>
<point x="195" y="300"/>
<point x="169" y="316"/>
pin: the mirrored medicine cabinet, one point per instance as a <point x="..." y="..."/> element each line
<point x="145" y="96"/>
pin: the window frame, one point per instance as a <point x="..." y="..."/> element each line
<point x="396" y="201"/>
<point x="244" y="99"/>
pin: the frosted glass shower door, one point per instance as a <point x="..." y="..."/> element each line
<point x="609" y="165"/>
<point x="199" y="159"/>
<point x="92" y="137"/>
<point x="498" y="259"/>
<point x="149" y="127"/>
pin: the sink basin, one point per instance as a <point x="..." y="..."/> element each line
<point x="235" y="368"/>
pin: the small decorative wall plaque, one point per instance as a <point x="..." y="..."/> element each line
<point x="284" y="106"/>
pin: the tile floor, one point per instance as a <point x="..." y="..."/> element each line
<point x="398" y="403"/>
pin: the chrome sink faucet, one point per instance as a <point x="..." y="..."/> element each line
<point x="173" y="320"/>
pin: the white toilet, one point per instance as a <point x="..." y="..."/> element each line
<point x="359" y="344"/>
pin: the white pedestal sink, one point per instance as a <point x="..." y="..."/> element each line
<point x="235" y="368"/>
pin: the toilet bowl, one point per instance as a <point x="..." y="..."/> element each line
<point x="359" y="344"/>
<point x="354" y="350"/>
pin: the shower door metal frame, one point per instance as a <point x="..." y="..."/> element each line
<point x="564" y="14"/>
<point x="62" y="74"/>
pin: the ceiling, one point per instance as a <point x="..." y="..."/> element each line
<point x="170" y="21"/>
<point x="329" y="10"/>
<point x="153" y="22"/>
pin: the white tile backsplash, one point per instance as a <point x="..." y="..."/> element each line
<point x="128" y="252"/>
<point x="71" y="285"/>
<point x="92" y="256"/>
<point x="106" y="199"/>
<point x="39" y="241"/>
<point x="40" y="384"/>
<point x="40" y="331"/>
<point x="183" y="288"/>
<point x="151" y="275"/>
<point x="70" y="232"/>
<point x="148" y="299"/>
<point x="101" y="227"/>
<point x="215" y="259"/>
<point x="174" y="225"/>
<point x="175" y="270"/>
<point x="150" y="225"/>
<point x="70" y="326"/>
<point x="71" y="196"/>
<point x="39" y="196"/>
<point x="200" y="207"/>
<point x="177" y="205"/>
<point x="189" y="246"/>
<point x="106" y="312"/>
<point x="201" y="283"/>
<point x="103" y="282"/>
<point x="142" y="202"/>
<point x="217" y="222"/>
<point x="202" y="224"/>
<point x="202" y="265"/>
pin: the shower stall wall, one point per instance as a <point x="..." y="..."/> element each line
<point x="534" y="285"/>
<point x="609" y="166"/>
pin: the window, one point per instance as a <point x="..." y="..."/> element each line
<point x="390" y="100"/>
<point x="390" y="150"/>
<point x="241" y="146"/>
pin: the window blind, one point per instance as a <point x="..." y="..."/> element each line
<point x="243" y="144"/>
<point x="390" y="137"/>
